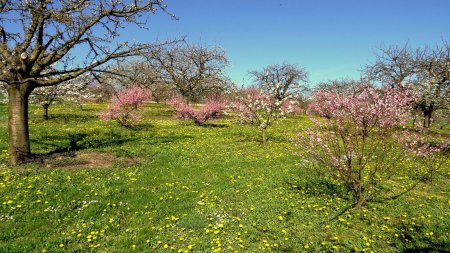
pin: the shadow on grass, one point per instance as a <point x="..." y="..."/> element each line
<point x="63" y="117"/>
<point x="80" y="141"/>
<point x="214" y="125"/>
<point x="140" y="127"/>
<point x="169" y="139"/>
<point x="394" y="197"/>
<point x="432" y="247"/>
<point x="319" y="185"/>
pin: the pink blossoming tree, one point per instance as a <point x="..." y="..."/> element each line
<point x="431" y="153"/>
<point x="124" y="106"/>
<point x="213" y="106"/>
<point x="354" y="135"/>
<point x="257" y="108"/>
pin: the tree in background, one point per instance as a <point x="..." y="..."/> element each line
<point x="79" y="90"/>
<point x="281" y="81"/>
<point x="394" y="66"/>
<point x="46" y="96"/>
<point x="212" y="107"/>
<point x="353" y="136"/>
<point x="193" y="71"/>
<point x="47" y="33"/>
<point x="140" y="73"/>
<point x="257" y="108"/>
<point x="432" y="87"/>
<point x="430" y="152"/>
<point x="426" y="70"/>
<point x="342" y="86"/>
<point x="124" y="106"/>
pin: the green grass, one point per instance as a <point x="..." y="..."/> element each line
<point x="199" y="189"/>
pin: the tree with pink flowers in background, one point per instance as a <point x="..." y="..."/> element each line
<point x="430" y="153"/>
<point x="354" y="136"/>
<point x="212" y="107"/>
<point x="124" y="106"/>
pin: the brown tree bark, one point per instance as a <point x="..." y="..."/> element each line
<point x="28" y="52"/>
<point x="19" y="144"/>
<point x="427" y="113"/>
<point x="264" y="137"/>
<point x="45" y="107"/>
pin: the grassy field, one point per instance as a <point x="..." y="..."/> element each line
<point x="171" y="186"/>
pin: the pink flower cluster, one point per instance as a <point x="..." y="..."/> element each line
<point x="124" y="104"/>
<point x="355" y="135"/>
<point x="367" y="108"/>
<point x="248" y="102"/>
<point x="422" y="144"/>
<point x="212" y="107"/>
<point x="133" y="96"/>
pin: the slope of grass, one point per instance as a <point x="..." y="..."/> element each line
<point x="200" y="189"/>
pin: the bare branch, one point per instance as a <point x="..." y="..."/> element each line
<point x="192" y="70"/>
<point x="281" y="81"/>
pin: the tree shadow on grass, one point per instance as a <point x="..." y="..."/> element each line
<point x="214" y="125"/>
<point x="169" y="139"/>
<point x="79" y="141"/>
<point x="394" y="197"/>
<point x="318" y="184"/>
<point x="63" y="118"/>
<point x="431" y="247"/>
<point x="141" y="126"/>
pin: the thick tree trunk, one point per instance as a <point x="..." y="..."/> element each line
<point x="19" y="139"/>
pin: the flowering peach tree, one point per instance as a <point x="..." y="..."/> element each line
<point x="353" y="136"/>
<point x="257" y="108"/>
<point x="429" y="152"/>
<point x="213" y="106"/>
<point x="124" y="106"/>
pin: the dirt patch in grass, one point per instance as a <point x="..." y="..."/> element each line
<point x="76" y="160"/>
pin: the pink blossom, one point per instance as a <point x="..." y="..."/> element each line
<point x="212" y="107"/>
<point x="353" y="135"/>
<point x="369" y="108"/>
<point x="124" y="105"/>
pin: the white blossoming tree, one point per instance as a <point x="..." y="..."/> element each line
<point x="257" y="108"/>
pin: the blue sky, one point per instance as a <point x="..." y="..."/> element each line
<point x="331" y="39"/>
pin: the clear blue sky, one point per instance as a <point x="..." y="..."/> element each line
<point x="332" y="39"/>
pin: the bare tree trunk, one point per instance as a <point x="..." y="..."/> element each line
<point x="19" y="139"/>
<point x="263" y="136"/>
<point x="45" y="107"/>
<point x="359" y="197"/>
<point x="427" y="119"/>
<point x="156" y="98"/>
<point x="427" y="113"/>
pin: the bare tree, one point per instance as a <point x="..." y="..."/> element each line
<point x="343" y="86"/>
<point x="36" y="34"/>
<point x="433" y="85"/>
<point x="141" y="73"/>
<point x="426" y="69"/>
<point x="393" y="65"/>
<point x="193" y="71"/>
<point x="281" y="81"/>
